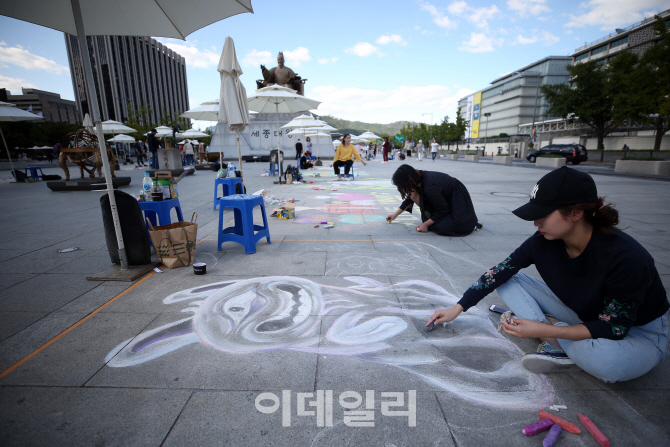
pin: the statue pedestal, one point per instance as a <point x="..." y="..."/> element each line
<point x="169" y="159"/>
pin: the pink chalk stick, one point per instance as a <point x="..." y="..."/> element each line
<point x="537" y="427"/>
<point x="591" y="428"/>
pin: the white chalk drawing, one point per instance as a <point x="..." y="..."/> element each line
<point x="376" y="322"/>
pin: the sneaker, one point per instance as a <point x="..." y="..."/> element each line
<point x="548" y="359"/>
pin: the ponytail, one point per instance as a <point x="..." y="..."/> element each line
<point x="602" y="216"/>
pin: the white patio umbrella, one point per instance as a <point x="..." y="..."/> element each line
<point x="160" y="18"/>
<point x="233" y="96"/>
<point x="163" y="131"/>
<point x="275" y="98"/>
<point x="307" y="122"/>
<point x="369" y="136"/>
<point x="115" y="127"/>
<point x="207" y="111"/>
<point x="192" y="133"/>
<point x="312" y="132"/>
<point x="121" y="138"/>
<point x="9" y="112"/>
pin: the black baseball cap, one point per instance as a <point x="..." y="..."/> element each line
<point x="561" y="187"/>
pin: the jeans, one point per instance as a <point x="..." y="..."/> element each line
<point x="433" y="154"/>
<point x="611" y="361"/>
<point x="154" y="160"/>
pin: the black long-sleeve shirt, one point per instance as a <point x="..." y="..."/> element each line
<point x="612" y="285"/>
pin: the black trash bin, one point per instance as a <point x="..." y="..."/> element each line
<point x="133" y="229"/>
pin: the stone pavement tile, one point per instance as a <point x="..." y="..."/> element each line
<point x="233" y="364"/>
<point x="14" y="322"/>
<point x="372" y="264"/>
<point x="92" y="241"/>
<point x="508" y="225"/>
<point x="85" y="417"/>
<point x="76" y="357"/>
<point x="358" y="245"/>
<point x="653" y="243"/>
<point x="85" y="265"/>
<point x="45" y="292"/>
<point x="271" y="263"/>
<point x="650" y="218"/>
<point x="33" y="241"/>
<point x="201" y="423"/>
<point x="36" y="263"/>
<point x="7" y="280"/>
<point x="14" y="253"/>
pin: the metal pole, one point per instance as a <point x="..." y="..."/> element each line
<point x="486" y="132"/>
<point x="7" y="149"/>
<point x="537" y="95"/>
<point x="279" y="156"/>
<point x="95" y="115"/>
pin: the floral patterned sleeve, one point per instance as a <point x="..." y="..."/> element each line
<point x="497" y="276"/>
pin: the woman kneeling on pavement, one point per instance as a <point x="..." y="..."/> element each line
<point x="445" y="204"/>
<point x="344" y="156"/>
<point x="601" y="308"/>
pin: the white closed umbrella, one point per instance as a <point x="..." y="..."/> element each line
<point x="9" y="112"/>
<point x="160" y="18"/>
<point x="275" y="98"/>
<point x="233" y="96"/>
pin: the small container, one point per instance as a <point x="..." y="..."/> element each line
<point x="199" y="268"/>
<point x="157" y="195"/>
<point x="238" y="174"/>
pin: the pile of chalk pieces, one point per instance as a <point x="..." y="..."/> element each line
<point x="555" y="425"/>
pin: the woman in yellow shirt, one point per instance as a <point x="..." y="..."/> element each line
<point x="344" y="156"/>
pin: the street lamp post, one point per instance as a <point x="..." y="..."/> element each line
<point x="486" y="132"/>
<point x="537" y="95"/>
<point x="431" y="123"/>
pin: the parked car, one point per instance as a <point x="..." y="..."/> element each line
<point x="574" y="153"/>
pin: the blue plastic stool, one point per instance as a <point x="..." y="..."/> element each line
<point x="351" y="173"/>
<point x="227" y="187"/>
<point x="274" y="168"/>
<point x="158" y="212"/>
<point x="244" y="232"/>
<point x="33" y="172"/>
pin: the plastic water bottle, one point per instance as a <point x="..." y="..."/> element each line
<point x="231" y="170"/>
<point x="146" y="186"/>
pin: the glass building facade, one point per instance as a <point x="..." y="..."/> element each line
<point x="130" y="72"/>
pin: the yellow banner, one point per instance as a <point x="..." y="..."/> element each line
<point x="475" y="115"/>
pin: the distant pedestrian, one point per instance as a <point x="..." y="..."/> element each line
<point x="433" y="149"/>
<point x="188" y="152"/>
<point x="201" y="152"/>
<point x="516" y="153"/>
<point x="50" y="157"/>
<point x="139" y="153"/>
<point x="56" y="150"/>
<point x="309" y="145"/>
<point x="419" y="150"/>
<point x="298" y="150"/>
<point x="152" y="141"/>
<point x="386" y="148"/>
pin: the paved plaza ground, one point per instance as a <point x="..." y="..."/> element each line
<point x="307" y="342"/>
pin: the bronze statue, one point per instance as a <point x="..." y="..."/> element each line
<point x="281" y="75"/>
<point x="83" y="151"/>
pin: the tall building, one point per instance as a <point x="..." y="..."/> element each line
<point x="50" y="105"/>
<point x="638" y="37"/>
<point x="513" y="99"/>
<point x="130" y="70"/>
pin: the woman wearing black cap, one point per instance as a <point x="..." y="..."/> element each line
<point x="445" y="204"/>
<point x="601" y="308"/>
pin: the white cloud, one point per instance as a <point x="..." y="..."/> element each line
<point x="323" y="61"/>
<point x="385" y="106"/>
<point x="334" y="59"/>
<point x="615" y="13"/>
<point x="549" y="39"/>
<point x="478" y="16"/>
<point x="14" y="84"/>
<point x="439" y="18"/>
<point x="383" y="40"/>
<point x="458" y="8"/>
<point x="23" y="58"/>
<point x="296" y="57"/>
<point x="194" y="57"/>
<point x="524" y="40"/>
<point x="480" y="43"/>
<point x="363" y="49"/>
<point x="527" y="8"/>
<point x="255" y="58"/>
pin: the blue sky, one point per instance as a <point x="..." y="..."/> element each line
<point x="374" y="61"/>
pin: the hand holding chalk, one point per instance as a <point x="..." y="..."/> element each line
<point x="430" y="326"/>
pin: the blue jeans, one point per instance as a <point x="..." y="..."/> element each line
<point x="433" y="154"/>
<point x="154" y="160"/>
<point x="611" y="361"/>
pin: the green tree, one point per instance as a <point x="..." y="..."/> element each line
<point x="652" y="84"/>
<point x="140" y="120"/>
<point x="590" y="97"/>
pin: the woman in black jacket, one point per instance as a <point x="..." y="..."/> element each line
<point x="445" y="204"/>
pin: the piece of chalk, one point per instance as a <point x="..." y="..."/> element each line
<point x="316" y="226"/>
<point x="552" y="436"/>
<point x="430" y="327"/>
<point x="591" y="428"/>
<point x="537" y="427"/>
<point x="558" y="407"/>
<point x="565" y="425"/>
<point x="329" y="226"/>
<point x="323" y="222"/>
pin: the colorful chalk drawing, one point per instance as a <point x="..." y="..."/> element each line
<point x="467" y="357"/>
